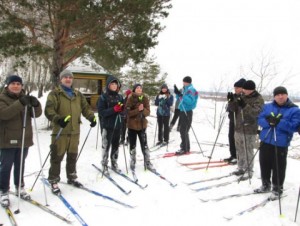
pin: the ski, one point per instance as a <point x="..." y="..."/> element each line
<point x="215" y="185"/>
<point x="162" y="177"/>
<point x="46" y="209"/>
<point x="135" y="181"/>
<point x="209" y="179"/>
<point x="67" y="204"/>
<point x="200" y="163"/>
<point x="157" y="147"/>
<point x="230" y="196"/>
<point x="250" y="209"/>
<point x="173" y="154"/>
<point x="101" y="195"/>
<point x="214" y="165"/>
<point x="112" y="181"/>
<point x="10" y="216"/>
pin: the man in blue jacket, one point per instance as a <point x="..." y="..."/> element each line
<point x="188" y="102"/>
<point x="279" y="120"/>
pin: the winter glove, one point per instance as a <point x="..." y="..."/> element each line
<point x="162" y="96"/>
<point x="93" y="121"/>
<point x="118" y="107"/>
<point x="34" y="101"/>
<point x="241" y="102"/>
<point x="25" y="100"/>
<point x="63" y="121"/>
<point x="141" y="107"/>
<point x="230" y="97"/>
<point x="273" y="120"/>
<point x="176" y="91"/>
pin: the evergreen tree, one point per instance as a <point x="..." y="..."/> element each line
<point x="112" y="32"/>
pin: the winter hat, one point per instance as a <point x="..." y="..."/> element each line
<point x="164" y="86"/>
<point x="13" y="78"/>
<point x="65" y="73"/>
<point x="187" y="79"/>
<point x="135" y="86"/>
<point x="128" y="92"/>
<point x="279" y="90"/>
<point x="249" y="85"/>
<point x="240" y="83"/>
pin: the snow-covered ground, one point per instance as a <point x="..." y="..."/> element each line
<point x="158" y="204"/>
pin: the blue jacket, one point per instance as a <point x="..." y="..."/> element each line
<point x="189" y="99"/>
<point x="289" y="123"/>
<point x="164" y="104"/>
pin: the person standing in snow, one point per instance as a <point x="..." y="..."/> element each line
<point x="64" y="107"/>
<point x="12" y="112"/>
<point x="138" y="109"/>
<point x="110" y="108"/>
<point x="279" y="120"/>
<point x="124" y="139"/>
<point x="163" y="101"/>
<point x="188" y="101"/>
<point x="238" y="88"/>
<point x="246" y="109"/>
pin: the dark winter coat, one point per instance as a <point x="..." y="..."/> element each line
<point x="11" y="121"/>
<point x="254" y="104"/>
<point x="59" y="105"/>
<point x="164" y="101"/>
<point x="136" y="119"/>
<point x="289" y="123"/>
<point x="109" y="118"/>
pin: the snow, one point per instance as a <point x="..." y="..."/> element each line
<point x="159" y="203"/>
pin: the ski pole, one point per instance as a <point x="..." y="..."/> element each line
<point x="51" y="147"/>
<point x="297" y="206"/>
<point x="21" y="160"/>
<point x="98" y="128"/>
<point x="124" y="149"/>
<point x="155" y="132"/>
<point x="39" y="150"/>
<point x="277" y="171"/>
<point x="214" y="145"/>
<point x="83" y="144"/>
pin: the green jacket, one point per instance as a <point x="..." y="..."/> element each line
<point x="11" y="121"/>
<point x="59" y="105"/>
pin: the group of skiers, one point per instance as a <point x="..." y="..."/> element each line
<point x="275" y="122"/>
<point x="64" y="106"/>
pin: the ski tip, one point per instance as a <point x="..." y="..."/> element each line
<point x="281" y="216"/>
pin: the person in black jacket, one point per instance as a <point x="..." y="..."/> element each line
<point x="163" y="101"/>
<point x="238" y="88"/>
<point x="110" y="108"/>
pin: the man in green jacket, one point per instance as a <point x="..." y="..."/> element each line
<point x="13" y="145"/>
<point x="64" y="107"/>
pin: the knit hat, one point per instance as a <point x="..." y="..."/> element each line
<point x="187" y="79"/>
<point x="65" y="73"/>
<point x="240" y="83"/>
<point x="135" y="86"/>
<point x="279" y="90"/>
<point x="13" y="78"/>
<point x="249" y="85"/>
<point x="164" y="86"/>
<point x="127" y="92"/>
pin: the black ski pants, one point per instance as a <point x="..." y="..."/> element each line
<point x="186" y="118"/>
<point x="163" y="128"/>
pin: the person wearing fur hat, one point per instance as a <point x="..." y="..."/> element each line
<point x="238" y="88"/>
<point x="278" y="120"/>
<point x="110" y="108"/>
<point x="64" y="107"/>
<point x="124" y="139"/>
<point x="13" y="105"/>
<point x="163" y="101"/>
<point x="246" y="109"/>
<point x="138" y="109"/>
<point x="188" y="101"/>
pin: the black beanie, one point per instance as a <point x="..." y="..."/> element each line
<point x="249" y="85"/>
<point x="279" y="90"/>
<point x="187" y="79"/>
<point x="164" y="86"/>
<point x="136" y="85"/>
<point x="240" y="83"/>
<point x="13" y="78"/>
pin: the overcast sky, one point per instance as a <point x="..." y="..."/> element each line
<point x="217" y="39"/>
